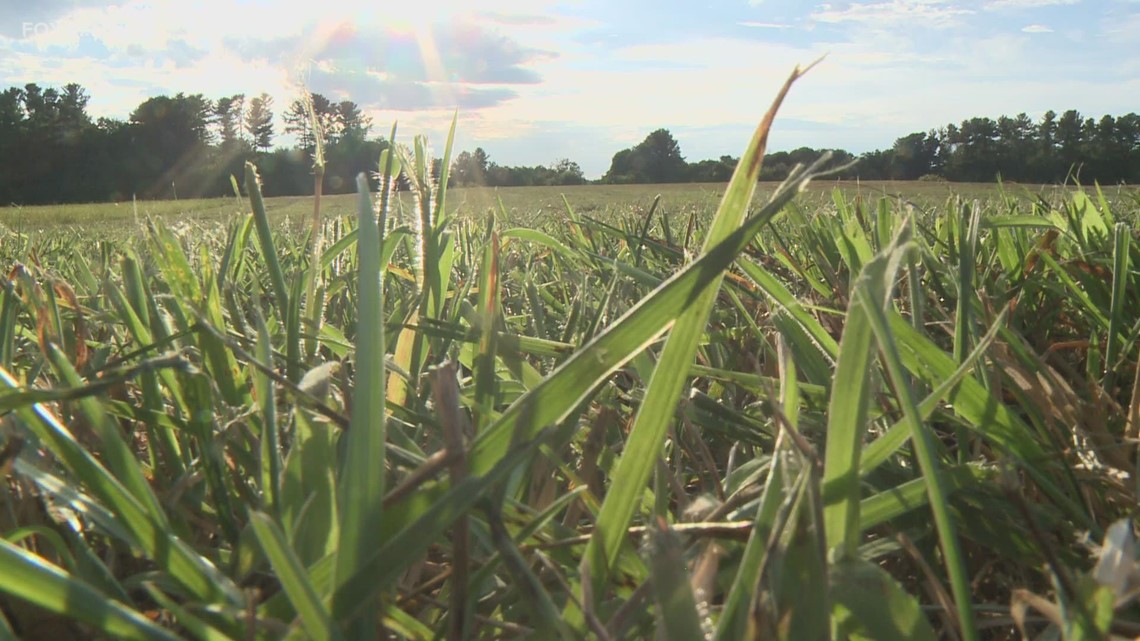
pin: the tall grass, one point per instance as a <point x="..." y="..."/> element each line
<point x="863" y="418"/>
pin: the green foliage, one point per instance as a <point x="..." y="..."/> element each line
<point x="817" y="415"/>
<point x="657" y="159"/>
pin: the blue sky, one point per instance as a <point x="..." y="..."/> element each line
<point x="539" y="80"/>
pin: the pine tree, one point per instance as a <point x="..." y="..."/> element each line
<point x="259" y="121"/>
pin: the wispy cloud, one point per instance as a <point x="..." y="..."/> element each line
<point x="1027" y="4"/>
<point x="1037" y="28"/>
<point x="932" y="13"/>
<point x="754" y="24"/>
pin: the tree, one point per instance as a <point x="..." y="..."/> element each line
<point x="470" y="168"/>
<point x="622" y="169"/>
<point x="661" y="157"/>
<point x="915" y="156"/>
<point x="169" y="139"/>
<point x="713" y="171"/>
<point x="1068" y="142"/>
<point x="657" y="159"/>
<point x="299" y="121"/>
<point x="351" y="121"/>
<point x="259" y="122"/>
<point x="567" y="172"/>
<point x="227" y="119"/>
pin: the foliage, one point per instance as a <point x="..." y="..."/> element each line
<point x="259" y="122"/>
<point x="657" y="159"/>
<point x="189" y="146"/>
<point x="893" y="419"/>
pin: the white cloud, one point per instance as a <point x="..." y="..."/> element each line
<point x="1027" y="4"/>
<point x="934" y="13"/>
<point x="1037" y="28"/>
<point x="764" y="25"/>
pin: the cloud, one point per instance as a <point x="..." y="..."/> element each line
<point x="465" y="53"/>
<point x="764" y="25"/>
<point x="1037" y="28"/>
<point x="1027" y="4"/>
<point x="930" y="13"/>
<point x="448" y="65"/>
<point x="378" y="92"/>
<point x="21" y="20"/>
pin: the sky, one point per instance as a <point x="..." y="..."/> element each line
<point x="535" y="81"/>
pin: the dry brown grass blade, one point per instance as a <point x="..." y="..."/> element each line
<point x="1074" y="420"/>
<point x="445" y="396"/>
<point x="934" y="587"/>
<point x="1132" y="427"/>
<point x="65" y="291"/>
<point x="1023" y="600"/>
<point x="702" y="580"/>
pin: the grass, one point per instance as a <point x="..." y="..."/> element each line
<point x="813" y="411"/>
<point x="521" y="204"/>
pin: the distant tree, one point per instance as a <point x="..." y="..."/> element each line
<point x="712" y="171"/>
<point x="657" y="159"/>
<point x="170" y="138"/>
<point x="11" y="110"/>
<point x="259" y="122"/>
<point x="662" y="158"/>
<point x="876" y="165"/>
<point x="351" y="121"/>
<point x="915" y="156"/>
<point x="567" y="172"/>
<point x="298" y="120"/>
<point x="1068" y="143"/>
<point x="623" y="169"/>
<point x="227" y="119"/>
<point x="470" y="168"/>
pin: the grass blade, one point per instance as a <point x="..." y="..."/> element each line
<point x="315" y="617"/>
<point x="27" y="576"/>
<point x="923" y="440"/>
<point x="361" y="482"/>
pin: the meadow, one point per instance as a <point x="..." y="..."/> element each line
<point x="804" y="411"/>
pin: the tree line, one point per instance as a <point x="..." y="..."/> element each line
<point x="1054" y="149"/>
<point x="181" y="146"/>
<point x="184" y="146"/>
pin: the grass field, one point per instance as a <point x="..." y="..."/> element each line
<point x="820" y="412"/>
<point x="527" y="203"/>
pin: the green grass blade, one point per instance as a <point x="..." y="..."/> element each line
<point x="194" y="625"/>
<point x="270" y="455"/>
<point x="265" y="240"/>
<point x="32" y="579"/>
<point x="120" y="459"/>
<point x="882" y="448"/>
<point x="847" y="425"/>
<point x="1121" y="247"/>
<point x="196" y="574"/>
<point x="360" y="484"/>
<point x="868" y="603"/>
<point x="660" y="402"/>
<point x="925" y="451"/>
<point x="562" y="390"/>
<point x="677" y="617"/>
<point x="314" y="615"/>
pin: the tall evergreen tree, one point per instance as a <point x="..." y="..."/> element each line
<point x="259" y="122"/>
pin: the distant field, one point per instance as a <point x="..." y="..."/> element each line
<point x="523" y="203"/>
